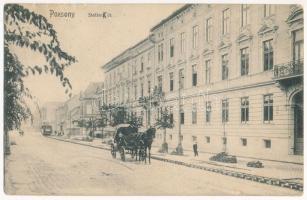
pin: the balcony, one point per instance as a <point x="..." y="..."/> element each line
<point x="289" y="70"/>
<point x="290" y="73"/>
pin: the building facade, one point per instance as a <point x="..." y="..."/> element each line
<point x="67" y="116"/>
<point x="232" y="76"/>
<point x="90" y="103"/>
<point x="130" y="76"/>
<point x="48" y="114"/>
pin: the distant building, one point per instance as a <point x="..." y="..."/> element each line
<point x="67" y="116"/>
<point x="91" y="102"/>
<point x="48" y="113"/>
<point x="232" y="76"/>
<point x="85" y="106"/>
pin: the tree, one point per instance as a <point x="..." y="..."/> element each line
<point x="32" y="32"/>
<point x="164" y="121"/>
<point x="119" y="115"/>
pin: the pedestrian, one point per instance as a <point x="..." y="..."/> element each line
<point x="195" y="148"/>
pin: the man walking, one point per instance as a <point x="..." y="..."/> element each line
<point x="195" y="148"/>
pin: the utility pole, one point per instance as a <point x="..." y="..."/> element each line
<point x="179" y="148"/>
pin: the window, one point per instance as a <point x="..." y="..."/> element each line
<point x="195" y="37"/>
<point x="225" y="67"/>
<point x="194" y="138"/>
<point x="142" y="89"/>
<point x="225" y="110"/>
<point x="160" y="52"/>
<point x="244" y="141"/>
<point x="128" y="71"/>
<point x="142" y="64"/>
<point x="118" y="92"/>
<point x="267" y="144"/>
<point x="149" y="57"/>
<point x="160" y="83"/>
<point x="181" y="79"/>
<point x="208" y="139"/>
<point x="268" y="55"/>
<point x="171" y="115"/>
<point x="171" y="81"/>
<point x="170" y="137"/>
<point x="245" y="15"/>
<point x="128" y="91"/>
<point x="267" y="10"/>
<point x="182" y="42"/>
<point x="194" y="75"/>
<point x="298" y="44"/>
<point x="244" y="61"/>
<point x="208" y="111"/>
<point x="181" y="115"/>
<point x="244" y="109"/>
<point x="123" y="93"/>
<point x="226" y="21"/>
<point x="171" y="47"/>
<point x="135" y="91"/>
<point x="134" y="69"/>
<point x="194" y="114"/>
<point x="209" y="29"/>
<point x="149" y="87"/>
<point x="268" y="108"/>
<point x="207" y="71"/>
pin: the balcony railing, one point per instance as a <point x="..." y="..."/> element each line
<point x="288" y="70"/>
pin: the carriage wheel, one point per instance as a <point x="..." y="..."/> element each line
<point x="113" y="152"/>
<point x="122" y="153"/>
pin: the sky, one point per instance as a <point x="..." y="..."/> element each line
<point x="92" y="40"/>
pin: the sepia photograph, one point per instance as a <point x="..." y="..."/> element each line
<point x="153" y="99"/>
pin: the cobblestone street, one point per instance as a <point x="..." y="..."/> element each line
<point x="43" y="166"/>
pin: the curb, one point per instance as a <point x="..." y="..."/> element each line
<point x="246" y="176"/>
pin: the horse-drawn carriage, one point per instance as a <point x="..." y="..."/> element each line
<point x="128" y="139"/>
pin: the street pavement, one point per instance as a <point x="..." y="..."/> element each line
<point x="273" y="170"/>
<point x="43" y="166"/>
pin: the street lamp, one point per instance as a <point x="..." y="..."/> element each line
<point x="179" y="148"/>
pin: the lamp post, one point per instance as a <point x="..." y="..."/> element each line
<point x="179" y="148"/>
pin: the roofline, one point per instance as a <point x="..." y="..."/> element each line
<point x="175" y="13"/>
<point x="129" y="49"/>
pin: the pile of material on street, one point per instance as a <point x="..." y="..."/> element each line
<point x="255" y="164"/>
<point x="224" y="157"/>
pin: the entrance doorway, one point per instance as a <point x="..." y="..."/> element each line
<point x="298" y="110"/>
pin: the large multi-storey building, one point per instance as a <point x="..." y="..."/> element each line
<point x="130" y="76"/>
<point x="232" y="76"/>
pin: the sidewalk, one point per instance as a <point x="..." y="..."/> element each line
<point x="277" y="170"/>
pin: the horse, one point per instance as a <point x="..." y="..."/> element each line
<point x="145" y="143"/>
